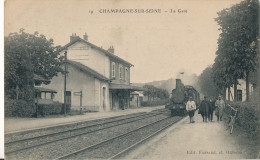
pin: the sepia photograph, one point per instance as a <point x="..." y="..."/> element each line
<point x="130" y="79"/>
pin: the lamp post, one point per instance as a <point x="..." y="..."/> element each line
<point x="65" y="105"/>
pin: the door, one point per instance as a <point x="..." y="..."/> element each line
<point x="113" y="100"/>
<point x="68" y="98"/>
<point x="239" y="95"/>
<point x="104" y="98"/>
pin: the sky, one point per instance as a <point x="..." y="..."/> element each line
<point x="160" y="45"/>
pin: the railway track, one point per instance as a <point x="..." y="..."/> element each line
<point x="116" y="146"/>
<point x="25" y="145"/>
<point x="31" y="133"/>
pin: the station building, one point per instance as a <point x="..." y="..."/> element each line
<point x="97" y="79"/>
<point x="241" y="91"/>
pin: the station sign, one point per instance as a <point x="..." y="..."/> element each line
<point x="77" y="93"/>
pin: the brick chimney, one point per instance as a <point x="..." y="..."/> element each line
<point x="111" y="49"/>
<point x="85" y="37"/>
<point x="73" y="37"/>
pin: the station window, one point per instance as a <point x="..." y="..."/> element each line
<point x="52" y="95"/>
<point x="126" y="73"/>
<point x="48" y="96"/>
<point x="113" y="69"/>
<point x="120" y="72"/>
<point x="43" y="95"/>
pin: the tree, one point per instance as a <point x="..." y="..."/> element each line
<point x="225" y="74"/>
<point x="238" y="40"/>
<point x="18" y="74"/>
<point x="206" y="83"/>
<point x="163" y="94"/>
<point x="25" y="55"/>
<point x="154" y="92"/>
<point x="149" y="91"/>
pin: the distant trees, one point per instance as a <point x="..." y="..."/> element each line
<point x="26" y="54"/>
<point x="237" y="54"/>
<point x="155" y="93"/>
<point x="206" y="83"/>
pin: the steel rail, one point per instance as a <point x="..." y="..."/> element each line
<point x="54" y="133"/>
<point x="78" y="123"/>
<point x="108" y="140"/>
<point x="9" y="134"/>
<point x="143" y="140"/>
<point x="80" y="134"/>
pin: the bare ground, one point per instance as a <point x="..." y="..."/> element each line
<point x="196" y="141"/>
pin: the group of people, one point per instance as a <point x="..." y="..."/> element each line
<point x="206" y="109"/>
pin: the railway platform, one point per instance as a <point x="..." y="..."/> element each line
<point x="197" y="140"/>
<point x="21" y="124"/>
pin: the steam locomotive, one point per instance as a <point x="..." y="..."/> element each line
<point x="179" y="98"/>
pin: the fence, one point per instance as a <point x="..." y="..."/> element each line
<point x="231" y="118"/>
<point x="246" y="117"/>
<point x="232" y="111"/>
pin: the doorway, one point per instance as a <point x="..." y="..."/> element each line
<point x="104" y="98"/>
<point x="68" y="97"/>
<point x="239" y="95"/>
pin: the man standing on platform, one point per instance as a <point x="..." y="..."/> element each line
<point x="220" y="104"/>
<point x="191" y="107"/>
<point x="211" y="108"/>
<point x="204" y="109"/>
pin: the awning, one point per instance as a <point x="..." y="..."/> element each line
<point x="41" y="89"/>
<point x="124" y="86"/>
<point x="137" y="93"/>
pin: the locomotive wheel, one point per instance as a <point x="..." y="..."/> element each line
<point x="172" y="113"/>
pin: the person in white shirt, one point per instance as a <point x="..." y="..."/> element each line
<point x="191" y="107"/>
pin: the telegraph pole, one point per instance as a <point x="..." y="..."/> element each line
<point x="65" y="105"/>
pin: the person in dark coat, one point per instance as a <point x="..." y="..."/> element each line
<point x="211" y="109"/>
<point x="204" y="109"/>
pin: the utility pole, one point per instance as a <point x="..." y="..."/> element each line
<point x="65" y="105"/>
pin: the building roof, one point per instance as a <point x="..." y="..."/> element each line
<point x="78" y="39"/>
<point x="40" y="78"/>
<point x="41" y="89"/>
<point x="87" y="70"/>
<point x="124" y="86"/>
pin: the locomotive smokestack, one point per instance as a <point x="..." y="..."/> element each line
<point x="178" y="83"/>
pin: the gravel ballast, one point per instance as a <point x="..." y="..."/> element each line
<point x="63" y="147"/>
